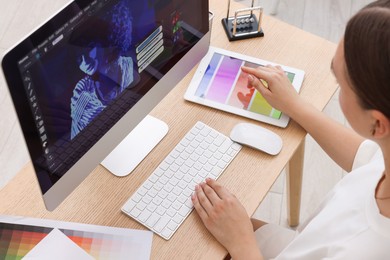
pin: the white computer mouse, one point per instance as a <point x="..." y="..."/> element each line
<point x="257" y="137"/>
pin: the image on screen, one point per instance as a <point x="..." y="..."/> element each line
<point x="224" y="82"/>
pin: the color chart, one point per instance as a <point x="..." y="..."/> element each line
<point x="225" y="83"/>
<point x="19" y="237"/>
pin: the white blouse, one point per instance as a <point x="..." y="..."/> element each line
<point x="347" y="225"/>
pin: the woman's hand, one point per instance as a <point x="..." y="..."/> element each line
<point x="339" y="142"/>
<point x="274" y="86"/>
<point x="226" y="219"/>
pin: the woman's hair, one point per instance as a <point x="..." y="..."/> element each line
<point x="367" y="55"/>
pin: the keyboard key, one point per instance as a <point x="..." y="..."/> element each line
<point x="207" y="167"/>
<point x="175" y="154"/>
<point x="142" y="191"/>
<point x="184" y="210"/>
<point x="135" y="212"/>
<point x="169" y="173"/>
<point x="176" y="205"/>
<point x="226" y="158"/>
<point x="168" y="187"/>
<point x="205" y="131"/>
<point x="225" y="146"/>
<point x="136" y="197"/>
<point x="148" y="185"/>
<point x="182" y="185"/>
<point x="160" y="210"/>
<point x="167" y="233"/>
<point x="193" y="172"/>
<point x="171" y="212"/>
<point x="145" y="215"/>
<point x="141" y="205"/>
<point x="152" y="207"/>
<point x="164" y="166"/>
<point x="157" y="173"/>
<point x="153" y="192"/>
<point x="163" y="180"/>
<point x="172" y="225"/>
<point x="129" y="206"/>
<point x="179" y="161"/>
<point x="157" y="200"/>
<point x="152" y="220"/>
<point x="217" y="155"/>
<point x="158" y="186"/>
<point x="199" y="126"/>
<point x="212" y="161"/>
<point x="188" y="192"/>
<point x="180" y="148"/>
<point x="215" y="173"/>
<point x="171" y="197"/>
<point x="162" y="223"/>
<point x="222" y="164"/>
<point x="208" y="154"/>
<point x="213" y="134"/>
<point x="163" y="194"/>
<point x="236" y="147"/>
<point x="174" y="181"/>
<point x="182" y="199"/>
<point x="170" y="160"/>
<point x="153" y="178"/>
<point x="166" y="204"/>
<point x="164" y="200"/>
<point x="212" y="148"/>
<point x="177" y="191"/>
<point x="178" y="218"/>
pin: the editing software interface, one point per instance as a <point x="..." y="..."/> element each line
<point x="86" y="75"/>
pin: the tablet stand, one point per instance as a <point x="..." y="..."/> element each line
<point x="244" y="24"/>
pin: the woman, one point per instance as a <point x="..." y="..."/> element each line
<point x="106" y="63"/>
<point x="354" y="220"/>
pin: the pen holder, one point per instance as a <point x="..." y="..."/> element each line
<point x="244" y="24"/>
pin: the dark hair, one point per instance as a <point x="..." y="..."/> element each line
<point x="367" y="55"/>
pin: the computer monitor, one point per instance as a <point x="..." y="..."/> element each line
<point x="83" y="80"/>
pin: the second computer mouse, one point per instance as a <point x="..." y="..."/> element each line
<point x="257" y="137"/>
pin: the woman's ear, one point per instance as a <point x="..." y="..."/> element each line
<point x="381" y="125"/>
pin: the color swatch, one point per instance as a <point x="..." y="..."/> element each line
<point x="17" y="240"/>
<point x="224" y="82"/>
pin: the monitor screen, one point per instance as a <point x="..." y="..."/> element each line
<point x="88" y="68"/>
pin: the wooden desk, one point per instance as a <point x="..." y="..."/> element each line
<point x="99" y="198"/>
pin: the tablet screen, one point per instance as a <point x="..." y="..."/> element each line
<point x="224" y="82"/>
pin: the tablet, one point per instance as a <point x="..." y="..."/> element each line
<point x="219" y="83"/>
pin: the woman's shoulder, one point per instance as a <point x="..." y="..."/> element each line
<point x="367" y="152"/>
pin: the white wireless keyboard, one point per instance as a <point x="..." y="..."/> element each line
<point x="163" y="201"/>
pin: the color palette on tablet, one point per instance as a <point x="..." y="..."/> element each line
<point x="225" y="83"/>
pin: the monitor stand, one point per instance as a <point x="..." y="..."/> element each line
<point x="136" y="146"/>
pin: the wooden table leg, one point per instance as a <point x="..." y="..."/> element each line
<point x="294" y="185"/>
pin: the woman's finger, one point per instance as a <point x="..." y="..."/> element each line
<point x="260" y="72"/>
<point x="221" y="191"/>
<point x="203" y="200"/>
<point x="279" y="67"/>
<point x="258" y="84"/>
<point x="210" y="193"/>
<point x="201" y="211"/>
